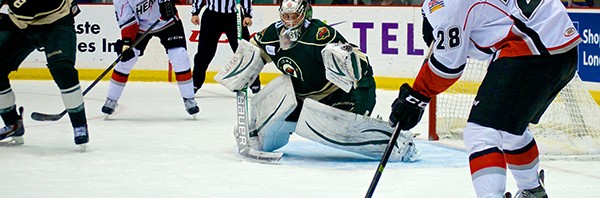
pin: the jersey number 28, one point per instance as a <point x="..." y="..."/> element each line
<point x="449" y="38"/>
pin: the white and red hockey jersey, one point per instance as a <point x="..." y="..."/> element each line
<point x="135" y="16"/>
<point x="502" y="28"/>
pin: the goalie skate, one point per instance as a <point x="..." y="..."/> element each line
<point x="243" y="142"/>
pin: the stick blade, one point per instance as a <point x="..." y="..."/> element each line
<point x="46" y="117"/>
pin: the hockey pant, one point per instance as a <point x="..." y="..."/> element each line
<point x="491" y="151"/>
<point x="181" y="66"/>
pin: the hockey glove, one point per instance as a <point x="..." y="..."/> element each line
<point x="123" y="48"/>
<point x="408" y="108"/>
<point x="167" y="9"/>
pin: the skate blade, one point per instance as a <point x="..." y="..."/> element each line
<point x="106" y="116"/>
<point x="82" y="147"/>
<point x="195" y="116"/>
<point x="14" y="141"/>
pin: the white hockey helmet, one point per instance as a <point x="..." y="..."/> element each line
<point x="293" y="12"/>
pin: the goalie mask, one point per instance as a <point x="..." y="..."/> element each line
<point x="293" y="13"/>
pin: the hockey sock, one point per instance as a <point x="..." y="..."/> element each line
<point x="10" y="116"/>
<point x="7" y="100"/>
<point x="524" y="163"/>
<point x="185" y="84"/>
<point x="488" y="172"/>
<point x="117" y="84"/>
<point x="183" y="74"/>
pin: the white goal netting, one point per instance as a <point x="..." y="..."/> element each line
<point x="570" y="128"/>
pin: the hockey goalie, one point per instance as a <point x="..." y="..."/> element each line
<point x="326" y="93"/>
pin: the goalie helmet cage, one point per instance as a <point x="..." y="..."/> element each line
<point x="569" y="129"/>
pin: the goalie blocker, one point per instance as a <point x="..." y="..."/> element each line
<point x="320" y="123"/>
<point x="243" y="67"/>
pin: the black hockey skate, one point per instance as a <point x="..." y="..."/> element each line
<point x="538" y="192"/>
<point x="14" y="131"/>
<point x="191" y="106"/>
<point x="109" y="106"/>
<point x="81" y="136"/>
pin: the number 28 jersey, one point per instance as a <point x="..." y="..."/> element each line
<point x="500" y="28"/>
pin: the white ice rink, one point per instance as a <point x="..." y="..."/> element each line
<point x="150" y="147"/>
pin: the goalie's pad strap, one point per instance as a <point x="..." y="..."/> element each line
<point x="342" y="65"/>
<point x="243" y="67"/>
<point x="348" y="131"/>
<point x="269" y="109"/>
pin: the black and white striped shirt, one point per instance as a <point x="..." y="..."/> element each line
<point x="222" y="6"/>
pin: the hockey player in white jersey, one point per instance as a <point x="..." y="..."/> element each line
<point x="533" y="51"/>
<point x="134" y="18"/>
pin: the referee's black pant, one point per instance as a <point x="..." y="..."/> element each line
<point x="212" y="25"/>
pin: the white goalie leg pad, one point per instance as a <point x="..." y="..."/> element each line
<point x="352" y="132"/>
<point x="342" y="65"/>
<point x="269" y="109"/>
<point x="243" y="67"/>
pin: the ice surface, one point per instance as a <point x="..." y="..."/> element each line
<point x="150" y="147"/>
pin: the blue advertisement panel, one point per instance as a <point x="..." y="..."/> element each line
<point x="588" y="26"/>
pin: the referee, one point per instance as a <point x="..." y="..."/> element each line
<point x="218" y="17"/>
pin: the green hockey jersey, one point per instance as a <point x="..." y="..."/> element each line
<point x="303" y="61"/>
<point x="37" y="12"/>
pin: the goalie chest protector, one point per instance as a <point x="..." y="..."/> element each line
<point x="303" y="61"/>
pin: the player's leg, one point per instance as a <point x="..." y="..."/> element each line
<point x="173" y="39"/>
<point x="521" y="154"/>
<point x="560" y="69"/>
<point x="120" y="76"/>
<point x="500" y="109"/>
<point x="210" y="32"/>
<point x="59" y="41"/>
<point x="14" y="48"/>
<point x="511" y="96"/>
<point x="486" y="160"/>
<point x="269" y="109"/>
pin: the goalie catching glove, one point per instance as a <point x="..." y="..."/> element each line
<point x="408" y="108"/>
<point x="342" y="65"/>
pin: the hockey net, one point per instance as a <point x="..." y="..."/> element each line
<point x="569" y="129"/>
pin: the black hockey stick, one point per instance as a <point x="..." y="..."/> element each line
<point x="388" y="149"/>
<point x="54" y="117"/>
<point x="383" y="162"/>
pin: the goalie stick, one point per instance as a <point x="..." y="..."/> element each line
<point x="389" y="148"/>
<point x="241" y="133"/>
<point x="54" y="117"/>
